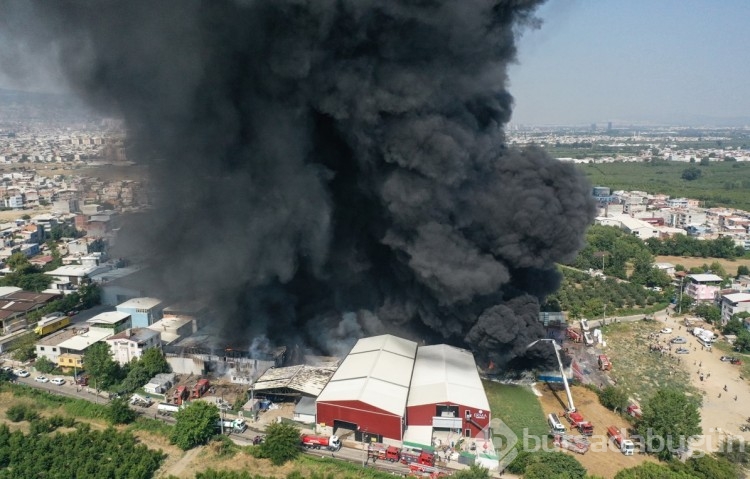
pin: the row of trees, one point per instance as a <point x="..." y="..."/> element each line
<point x="110" y="375"/>
<point x="683" y="245"/>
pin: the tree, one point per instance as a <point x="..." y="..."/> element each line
<point x="281" y="443"/>
<point x="649" y="470"/>
<point x="707" y="467"/>
<point x="154" y="362"/>
<point x="743" y="270"/>
<point x="25" y="348"/>
<point x="545" y="464"/>
<point x="733" y="326"/>
<point x="669" y="418"/>
<point x="17" y="260"/>
<point x="98" y="362"/>
<point x="735" y="451"/>
<point x="709" y="312"/>
<point x="474" y="472"/>
<point x="742" y="343"/>
<point x="690" y="174"/>
<point x="613" y="398"/>
<point x="44" y="365"/>
<point x="119" y="412"/>
<point x="196" y="424"/>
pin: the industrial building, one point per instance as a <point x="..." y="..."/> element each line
<point x="368" y="392"/>
<point x="390" y="390"/>
<point x="446" y="397"/>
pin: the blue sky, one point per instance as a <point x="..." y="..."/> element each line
<point x="634" y="61"/>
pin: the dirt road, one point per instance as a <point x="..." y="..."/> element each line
<point x="723" y="411"/>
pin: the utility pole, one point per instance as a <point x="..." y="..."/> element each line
<point x="679" y="303"/>
<point x="364" y="449"/>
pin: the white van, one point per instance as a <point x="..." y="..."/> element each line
<point x="555" y="424"/>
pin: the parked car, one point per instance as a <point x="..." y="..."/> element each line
<point x="682" y="351"/>
<point x="41" y="379"/>
<point x="666" y="331"/>
<point x="57" y="381"/>
<point x="726" y="359"/>
<point x="678" y="340"/>
<point x="21" y="373"/>
<point x="7" y="369"/>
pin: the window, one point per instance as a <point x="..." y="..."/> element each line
<point x="41" y="348"/>
<point x="467" y="433"/>
<point x="54" y="350"/>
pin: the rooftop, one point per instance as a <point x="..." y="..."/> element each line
<point x="445" y="373"/>
<point x="737" y="297"/>
<point x="376" y="371"/>
<point x="137" y="335"/>
<point x="76" y="270"/>
<point x="305" y="379"/>
<point x="705" y="278"/>
<point x="109" y="317"/>
<point x="85" y="339"/>
<point x="55" y="339"/>
<point x="140" y="303"/>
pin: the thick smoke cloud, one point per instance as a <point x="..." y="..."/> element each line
<point x="313" y="159"/>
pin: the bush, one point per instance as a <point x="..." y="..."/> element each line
<point x="21" y="412"/>
<point x="281" y="443"/>
<point x="613" y="398"/>
<point x="545" y="464"/>
<point x="119" y="412"/>
<point x="44" y="365"/>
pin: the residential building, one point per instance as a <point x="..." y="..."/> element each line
<point x="71" y="351"/>
<point x="131" y="343"/>
<point x="143" y="311"/>
<point x="114" y="321"/>
<point x="732" y="304"/>
<point x="703" y="287"/>
<point x="49" y="346"/>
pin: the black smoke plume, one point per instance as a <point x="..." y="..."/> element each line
<point x="329" y="159"/>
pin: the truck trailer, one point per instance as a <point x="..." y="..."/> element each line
<point x="311" y="441"/>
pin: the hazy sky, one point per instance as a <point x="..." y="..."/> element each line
<point x="634" y="60"/>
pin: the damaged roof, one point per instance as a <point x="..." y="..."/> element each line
<point x="306" y="379"/>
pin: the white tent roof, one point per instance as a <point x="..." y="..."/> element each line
<point x="443" y="374"/>
<point x="377" y="371"/>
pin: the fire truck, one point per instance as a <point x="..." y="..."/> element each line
<point x="383" y="452"/>
<point x="417" y="456"/>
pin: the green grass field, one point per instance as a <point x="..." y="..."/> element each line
<point x="721" y="183"/>
<point x="518" y="407"/>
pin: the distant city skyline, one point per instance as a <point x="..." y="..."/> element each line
<point x="640" y="61"/>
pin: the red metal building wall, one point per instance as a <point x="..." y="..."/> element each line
<point x="422" y="416"/>
<point x="367" y="417"/>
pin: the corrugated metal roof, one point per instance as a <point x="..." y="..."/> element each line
<point x="377" y="371"/>
<point x="445" y="373"/>
<point x="306" y="379"/>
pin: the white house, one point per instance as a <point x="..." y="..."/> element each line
<point x="734" y="303"/>
<point x="131" y="343"/>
